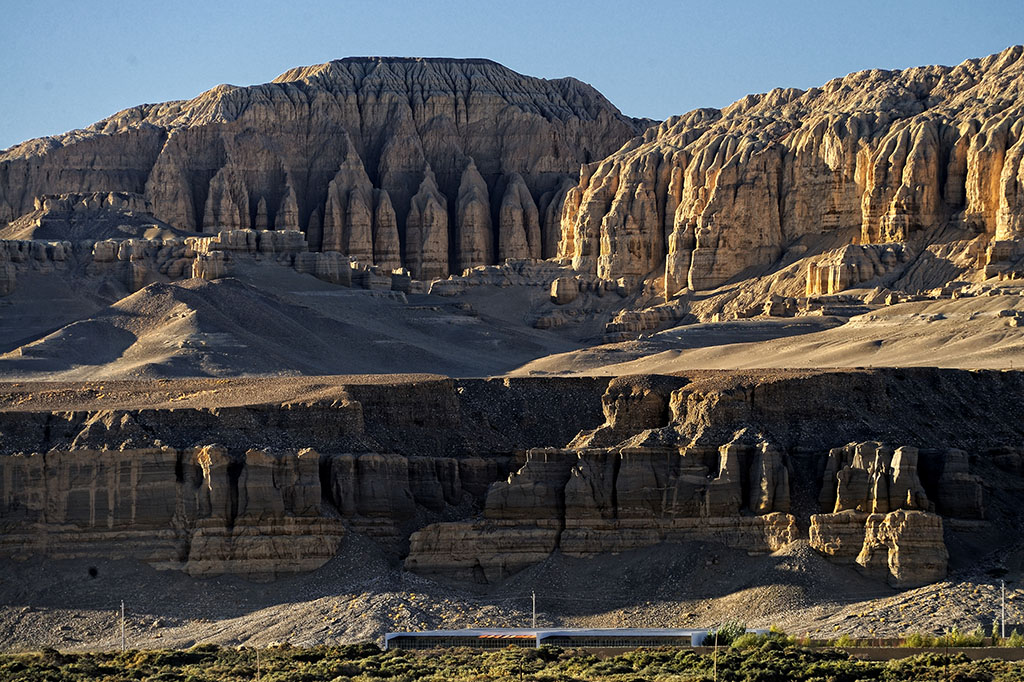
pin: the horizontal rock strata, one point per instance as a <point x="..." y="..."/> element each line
<point x="460" y="474"/>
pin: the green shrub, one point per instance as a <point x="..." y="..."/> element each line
<point x="750" y="658"/>
<point x="917" y="640"/>
<point x="748" y="640"/>
<point x="956" y="638"/>
<point x="843" y="641"/>
<point x="727" y="633"/>
<point x="1015" y="639"/>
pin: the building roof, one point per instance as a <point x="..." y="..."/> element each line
<point x="543" y="633"/>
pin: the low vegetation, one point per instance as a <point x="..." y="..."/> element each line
<point x="762" y="658"/>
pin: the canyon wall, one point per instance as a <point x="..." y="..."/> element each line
<point x="478" y="479"/>
<point x="348" y="153"/>
<point x="877" y="156"/>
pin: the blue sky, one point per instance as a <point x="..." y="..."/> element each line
<point x="68" y="64"/>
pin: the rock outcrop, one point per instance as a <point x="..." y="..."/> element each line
<point x="769" y="481"/>
<point x="466" y="473"/>
<point x="474" y="234"/>
<point x="906" y="547"/>
<point x="631" y="404"/>
<point x="839" y="536"/>
<point x="877" y="157"/>
<point x="348" y="218"/>
<point x="586" y="502"/>
<point x="77" y="216"/>
<point x="387" y="250"/>
<point x="883" y="518"/>
<point x="518" y="222"/>
<point x="8" y="277"/>
<point x="426" y="232"/>
<point x="305" y="151"/>
<point x="209" y="511"/>
<point x="133" y="263"/>
<point x="201" y="510"/>
<point x="959" y="493"/>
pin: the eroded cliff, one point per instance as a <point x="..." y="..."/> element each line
<point x="930" y="154"/>
<point x="477" y="479"/>
<point x="341" y="151"/>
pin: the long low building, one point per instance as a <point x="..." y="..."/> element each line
<point x="585" y="638"/>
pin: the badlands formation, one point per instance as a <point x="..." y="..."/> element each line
<point x="392" y="342"/>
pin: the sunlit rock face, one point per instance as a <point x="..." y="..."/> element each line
<point x="882" y="156"/>
<point x="339" y="151"/>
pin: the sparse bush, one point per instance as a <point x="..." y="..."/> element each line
<point x="748" y="640"/>
<point x="918" y="640"/>
<point x="844" y="640"/>
<point x="764" y="658"/>
<point x="1015" y="640"/>
<point x="956" y="638"/>
<point x="727" y="633"/>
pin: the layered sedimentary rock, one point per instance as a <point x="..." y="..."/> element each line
<point x="387" y="249"/>
<point x="589" y="501"/>
<point x="426" y="416"/>
<point x="426" y="232"/>
<point x="592" y="498"/>
<point x="8" y="277"/>
<point x="134" y="263"/>
<point x="631" y="404"/>
<point x="769" y="490"/>
<point x="839" y="536"/>
<point x="875" y="157"/>
<point x="203" y="510"/>
<point x="348" y="217"/>
<point x="480" y="552"/>
<point x="853" y="265"/>
<point x="518" y="222"/>
<point x="474" y="235"/>
<point x="209" y="511"/>
<point x="287" y="154"/>
<point x="882" y="516"/>
<point x="475" y="475"/>
<point x="77" y="216"/>
<point x="960" y="493"/>
<point x="906" y="547"/>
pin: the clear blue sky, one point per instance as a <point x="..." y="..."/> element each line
<point x="64" y="65"/>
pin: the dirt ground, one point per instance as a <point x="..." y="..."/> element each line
<point x="363" y="593"/>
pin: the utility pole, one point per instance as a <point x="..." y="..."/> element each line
<point x="715" y="657"/>
<point x="122" y="625"/>
<point x="535" y="609"/>
<point x="257" y="665"/>
<point x="1002" y="618"/>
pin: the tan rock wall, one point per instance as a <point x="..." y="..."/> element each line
<point x="270" y="156"/>
<point x="203" y="510"/>
<point x="906" y="547"/>
<point x="884" y="156"/>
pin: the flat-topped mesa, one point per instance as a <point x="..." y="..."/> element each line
<point x="876" y="157"/>
<point x="289" y="154"/>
